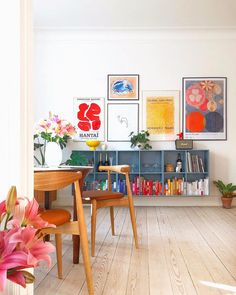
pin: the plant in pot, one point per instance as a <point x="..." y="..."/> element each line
<point x="227" y="192"/>
<point x="141" y="140"/>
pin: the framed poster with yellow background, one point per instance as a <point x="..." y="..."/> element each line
<point x="161" y="114"/>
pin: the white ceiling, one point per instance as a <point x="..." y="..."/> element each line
<point x="134" y="13"/>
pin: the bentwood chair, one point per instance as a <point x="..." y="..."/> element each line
<point x="51" y="181"/>
<point x="101" y="199"/>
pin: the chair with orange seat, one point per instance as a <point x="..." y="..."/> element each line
<point x="51" y="181"/>
<point x="101" y="199"/>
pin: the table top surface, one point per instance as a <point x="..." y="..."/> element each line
<point x="63" y="168"/>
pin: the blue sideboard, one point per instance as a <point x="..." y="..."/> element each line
<point x="148" y="173"/>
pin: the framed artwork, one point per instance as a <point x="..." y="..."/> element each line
<point x="89" y="118"/>
<point x="204" y="108"/>
<point x="161" y="114"/>
<point x="123" y="87"/>
<point x="122" y="119"/>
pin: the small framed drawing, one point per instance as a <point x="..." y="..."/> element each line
<point x="122" y="119"/>
<point x="204" y="108"/>
<point x="161" y="114"/>
<point x="89" y="118"/>
<point x="123" y="87"/>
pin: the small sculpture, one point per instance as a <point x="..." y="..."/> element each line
<point x="180" y="135"/>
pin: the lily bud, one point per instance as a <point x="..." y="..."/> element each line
<point x="11" y="200"/>
<point x="29" y="278"/>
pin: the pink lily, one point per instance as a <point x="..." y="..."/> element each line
<point x="2" y="209"/>
<point x="29" y="215"/>
<point x="9" y="256"/>
<point x="36" y="250"/>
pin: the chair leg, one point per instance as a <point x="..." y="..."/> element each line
<point x="112" y="220"/>
<point x="133" y="220"/>
<point x="86" y="259"/>
<point x="93" y="226"/>
<point x="59" y="254"/>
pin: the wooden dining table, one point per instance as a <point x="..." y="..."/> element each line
<point x="84" y="171"/>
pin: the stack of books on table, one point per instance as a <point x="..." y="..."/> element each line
<point x="195" y="163"/>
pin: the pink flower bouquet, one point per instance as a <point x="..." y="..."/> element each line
<point x="52" y="129"/>
<point x="21" y="245"/>
<point x="55" y="129"/>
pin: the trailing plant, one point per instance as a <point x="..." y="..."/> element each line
<point x="77" y="159"/>
<point x="141" y="140"/>
<point x="225" y="189"/>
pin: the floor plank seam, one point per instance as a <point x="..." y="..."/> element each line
<point x="114" y="255"/>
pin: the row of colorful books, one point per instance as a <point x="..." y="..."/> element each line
<point x="103" y="185"/>
<point x="149" y="187"/>
<point x="139" y="186"/>
<point x="146" y="187"/>
<point x="181" y="187"/>
<point x="198" y="187"/>
<point x="174" y="187"/>
<point x="195" y="163"/>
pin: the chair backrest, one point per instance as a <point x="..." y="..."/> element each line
<point x="122" y="169"/>
<point x="51" y="180"/>
<point x="54" y="180"/>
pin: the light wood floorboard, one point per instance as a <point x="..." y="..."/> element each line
<point x="183" y="251"/>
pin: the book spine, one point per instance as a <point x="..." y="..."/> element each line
<point x="190" y="162"/>
<point x="201" y="165"/>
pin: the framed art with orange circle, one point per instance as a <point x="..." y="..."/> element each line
<point x="205" y="108"/>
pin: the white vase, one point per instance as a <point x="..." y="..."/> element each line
<point x="53" y="154"/>
<point x="13" y="289"/>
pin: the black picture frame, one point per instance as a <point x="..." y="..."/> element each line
<point x="212" y="97"/>
<point x="112" y="120"/>
<point x="123" y="98"/>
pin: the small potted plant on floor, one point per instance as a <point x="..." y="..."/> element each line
<point x="227" y="191"/>
<point x="141" y="140"/>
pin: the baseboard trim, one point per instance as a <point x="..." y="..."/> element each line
<point x="159" y="201"/>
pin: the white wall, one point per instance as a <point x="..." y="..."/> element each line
<point x="14" y="26"/>
<point x="9" y="95"/>
<point x="73" y="63"/>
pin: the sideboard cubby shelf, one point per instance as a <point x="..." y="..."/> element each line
<point x="148" y="174"/>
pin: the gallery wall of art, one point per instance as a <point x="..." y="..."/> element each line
<point x="71" y="63"/>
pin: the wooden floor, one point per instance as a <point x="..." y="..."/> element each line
<point x="182" y="251"/>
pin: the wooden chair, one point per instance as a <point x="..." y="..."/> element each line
<point x="101" y="199"/>
<point x="51" y="181"/>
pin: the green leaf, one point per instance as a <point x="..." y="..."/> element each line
<point x="77" y="159"/>
<point x="140" y="140"/>
<point x="233" y="188"/>
<point x="229" y="185"/>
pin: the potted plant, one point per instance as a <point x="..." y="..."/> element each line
<point x="226" y="191"/>
<point x="141" y="140"/>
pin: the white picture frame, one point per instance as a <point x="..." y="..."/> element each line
<point x="89" y="118"/>
<point x="122" y="119"/>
